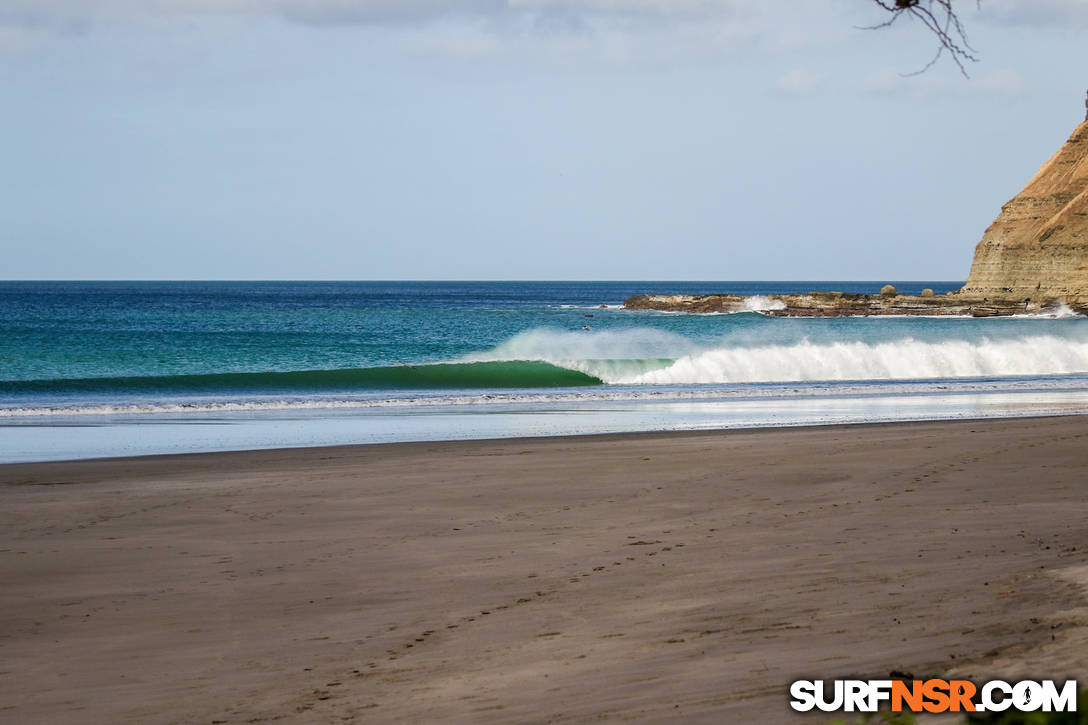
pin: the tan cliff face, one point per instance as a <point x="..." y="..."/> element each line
<point x="1038" y="246"/>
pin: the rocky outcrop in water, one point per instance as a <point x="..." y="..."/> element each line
<point x="843" y="304"/>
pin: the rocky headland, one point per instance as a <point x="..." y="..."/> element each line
<point x="1032" y="259"/>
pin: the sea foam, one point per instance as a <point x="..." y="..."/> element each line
<point x="646" y="356"/>
<point x="907" y="359"/>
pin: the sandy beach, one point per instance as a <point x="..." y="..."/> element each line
<point x="637" y="578"/>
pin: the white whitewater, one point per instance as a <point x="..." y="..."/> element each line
<point x="655" y="357"/>
<point x="902" y="360"/>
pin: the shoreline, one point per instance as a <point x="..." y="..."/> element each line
<point x="673" y="577"/>
<point x="117" y="438"/>
<point x="348" y="448"/>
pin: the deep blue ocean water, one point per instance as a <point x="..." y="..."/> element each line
<point x="84" y="354"/>
<point x="58" y="330"/>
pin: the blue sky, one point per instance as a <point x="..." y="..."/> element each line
<point x="517" y="139"/>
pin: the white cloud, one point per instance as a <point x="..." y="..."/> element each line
<point x="800" y="81"/>
<point x="58" y="12"/>
<point x="615" y="32"/>
<point x="379" y="12"/>
<point x="1062" y="13"/>
<point x="594" y="43"/>
<point x="14" y="39"/>
<point x="628" y="8"/>
<point x="997" y="83"/>
<point x="1002" y="82"/>
<point x="884" y="80"/>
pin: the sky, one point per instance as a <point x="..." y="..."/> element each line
<point x="518" y="139"/>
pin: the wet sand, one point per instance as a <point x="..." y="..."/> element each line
<point x="639" y="578"/>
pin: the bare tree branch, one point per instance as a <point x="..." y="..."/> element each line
<point x="940" y="18"/>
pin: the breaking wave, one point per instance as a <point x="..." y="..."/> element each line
<point x="654" y="357"/>
<point x="542" y="359"/>
<point x="489" y="374"/>
<point x="899" y="360"/>
<point x="759" y="303"/>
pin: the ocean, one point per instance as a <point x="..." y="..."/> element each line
<point x="93" y="369"/>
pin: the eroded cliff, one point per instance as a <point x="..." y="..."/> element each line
<point x="1037" y="247"/>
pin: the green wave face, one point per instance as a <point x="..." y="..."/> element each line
<point x="505" y="374"/>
